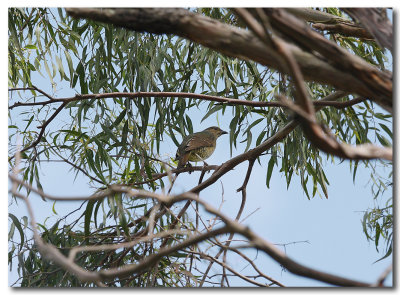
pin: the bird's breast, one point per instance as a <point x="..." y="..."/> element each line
<point x="201" y="154"/>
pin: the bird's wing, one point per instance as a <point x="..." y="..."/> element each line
<point x="198" y="141"/>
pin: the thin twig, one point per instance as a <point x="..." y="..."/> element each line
<point x="43" y="128"/>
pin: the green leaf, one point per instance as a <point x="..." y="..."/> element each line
<point x="249" y="139"/>
<point x="119" y="119"/>
<point x="82" y="79"/>
<point x="271" y="164"/>
<point x="388" y="253"/>
<point x="121" y="216"/>
<point x="88" y="216"/>
<point x="214" y="109"/>
<point x="70" y="65"/>
<point x="255" y="123"/>
<point x="125" y="134"/>
<point x="18" y="226"/>
<point x="260" y="137"/>
<point x="54" y="208"/>
<point x="11" y="231"/>
<point x="377" y="234"/>
<point x="109" y="132"/>
<point x="355" y="170"/>
<point x="95" y="212"/>
<point x="29" y="122"/>
<point x="364" y="225"/>
<point x="387" y="130"/>
<point x="30" y="46"/>
<point x="383" y="140"/>
<point x="60" y="67"/>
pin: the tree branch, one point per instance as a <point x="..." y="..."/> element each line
<point x="231" y="226"/>
<point x="376" y="22"/>
<point x="131" y="95"/>
<point x="305" y="109"/>
<point x="301" y="33"/>
<point x="236" y="42"/>
<point x="383" y="276"/>
<point x="43" y="128"/>
<point x="345" y="30"/>
<point x="315" y="16"/>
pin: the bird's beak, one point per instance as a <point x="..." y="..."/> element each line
<point x="223" y="132"/>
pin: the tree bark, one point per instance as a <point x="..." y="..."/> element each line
<point x="376" y="22"/>
<point x="240" y="43"/>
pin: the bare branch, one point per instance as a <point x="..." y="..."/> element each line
<point x="256" y="268"/>
<point x="78" y="97"/>
<point x="107" y="247"/>
<point x="226" y="266"/>
<point x="131" y="95"/>
<point x="315" y="16"/>
<point x="332" y="23"/>
<point x="43" y="128"/>
<point x="237" y="218"/>
<point x="231" y="226"/>
<point x="345" y="30"/>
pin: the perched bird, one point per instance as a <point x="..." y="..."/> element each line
<point x="198" y="146"/>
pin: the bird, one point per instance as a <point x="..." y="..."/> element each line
<point x="198" y="146"/>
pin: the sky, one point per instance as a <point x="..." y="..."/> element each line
<point x="332" y="228"/>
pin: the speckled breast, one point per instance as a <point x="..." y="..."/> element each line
<point x="201" y="154"/>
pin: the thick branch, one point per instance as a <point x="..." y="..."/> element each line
<point x="327" y="22"/>
<point x="379" y="82"/>
<point x="315" y="16"/>
<point x="376" y="22"/>
<point x="325" y="141"/>
<point x="345" y="30"/>
<point x="236" y="42"/>
<point x="305" y="109"/>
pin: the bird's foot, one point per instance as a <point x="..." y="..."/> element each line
<point x="189" y="166"/>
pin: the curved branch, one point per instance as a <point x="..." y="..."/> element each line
<point x="180" y="170"/>
<point x="224" y="265"/>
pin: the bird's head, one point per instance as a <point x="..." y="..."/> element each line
<point x="217" y="132"/>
